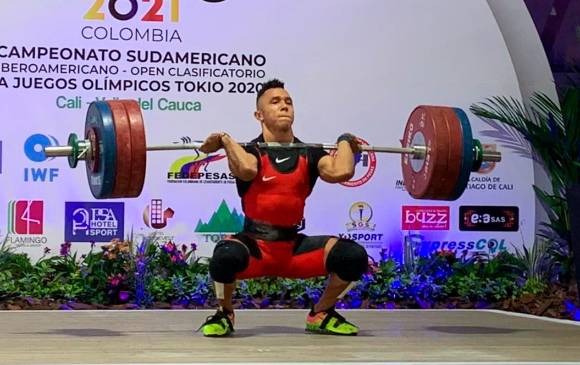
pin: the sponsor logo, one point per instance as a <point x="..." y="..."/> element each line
<point x="365" y="166"/>
<point x="360" y="214"/>
<point x="222" y="222"/>
<point x="154" y="216"/>
<point x="268" y="178"/>
<point x="425" y="218"/>
<point x="280" y="160"/>
<point x="34" y="150"/>
<point x="415" y="245"/>
<point x="197" y="170"/>
<point x="93" y="222"/>
<point x="26" y="217"/>
<point x="361" y="228"/>
<point x="489" y="218"/>
<point x="487" y="166"/>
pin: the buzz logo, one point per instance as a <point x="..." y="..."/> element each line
<point x="26" y="217"/>
<point x="93" y="222"/>
<point x="154" y="216"/>
<point x="415" y="217"/>
<point x="34" y="150"/>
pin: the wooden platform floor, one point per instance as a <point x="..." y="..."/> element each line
<point x="275" y="336"/>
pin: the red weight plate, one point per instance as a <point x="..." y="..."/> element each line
<point x="444" y="188"/>
<point x="124" y="156"/>
<point x="424" y="128"/>
<point x="138" y="148"/>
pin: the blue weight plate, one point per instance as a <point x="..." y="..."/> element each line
<point x="100" y="120"/>
<point x="467" y="161"/>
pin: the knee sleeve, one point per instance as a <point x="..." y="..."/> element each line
<point x="229" y="258"/>
<point x="348" y="260"/>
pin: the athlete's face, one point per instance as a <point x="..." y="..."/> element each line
<point x="275" y="110"/>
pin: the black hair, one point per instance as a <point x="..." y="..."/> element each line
<point x="270" y="84"/>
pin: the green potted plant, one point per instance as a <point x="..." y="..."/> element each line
<point x="553" y="131"/>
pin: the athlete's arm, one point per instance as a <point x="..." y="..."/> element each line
<point x="243" y="165"/>
<point x="337" y="168"/>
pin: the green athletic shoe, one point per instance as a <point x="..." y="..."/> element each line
<point x="218" y="325"/>
<point x="329" y="323"/>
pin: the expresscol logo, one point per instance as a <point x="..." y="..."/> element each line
<point x="149" y="11"/>
<point x="415" y="217"/>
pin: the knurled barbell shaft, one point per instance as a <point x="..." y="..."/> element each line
<point x="417" y="151"/>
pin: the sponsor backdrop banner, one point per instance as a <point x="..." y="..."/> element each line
<point x="195" y="66"/>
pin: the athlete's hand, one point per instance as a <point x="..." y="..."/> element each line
<point x="212" y="143"/>
<point x="352" y="141"/>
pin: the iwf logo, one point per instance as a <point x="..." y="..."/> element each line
<point x="360" y="214"/>
<point x="154" y="216"/>
<point x="93" y="222"/>
<point x="26" y="216"/>
<point x="34" y="150"/>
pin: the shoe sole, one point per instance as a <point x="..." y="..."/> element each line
<point x="224" y="335"/>
<point x="327" y="332"/>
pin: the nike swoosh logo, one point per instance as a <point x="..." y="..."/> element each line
<point x="268" y="178"/>
<point x="282" y="160"/>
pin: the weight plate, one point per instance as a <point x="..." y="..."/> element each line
<point x="138" y="148"/>
<point x="424" y="128"/>
<point x="467" y="163"/>
<point x="124" y="154"/>
<point x="101" y="168"/>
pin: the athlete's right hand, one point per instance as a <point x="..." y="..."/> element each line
<point x="212" y="143"/>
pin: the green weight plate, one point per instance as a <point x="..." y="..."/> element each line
<point x="73" y="157"/>
<point x="477" y="155"/>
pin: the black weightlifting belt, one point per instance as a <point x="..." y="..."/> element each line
<point x="269" y="232"/>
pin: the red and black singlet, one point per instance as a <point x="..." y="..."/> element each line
<point x="285" y="179"/>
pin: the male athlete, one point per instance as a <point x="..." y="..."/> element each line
<point x="274" y="185"/>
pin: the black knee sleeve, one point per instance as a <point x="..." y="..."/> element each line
<point x="348" y="260"/>
<point x="229" y="257"/>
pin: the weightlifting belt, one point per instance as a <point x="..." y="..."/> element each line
<point x="269" y="232"/>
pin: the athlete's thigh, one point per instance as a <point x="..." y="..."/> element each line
<point x="257" y="265"/>
<point x="308" y="257"/>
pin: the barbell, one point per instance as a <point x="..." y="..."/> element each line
<point x="438" y="150"/>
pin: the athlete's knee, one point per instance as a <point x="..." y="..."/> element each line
<point x="347" y="259"/>
<point x="229" y="258"/>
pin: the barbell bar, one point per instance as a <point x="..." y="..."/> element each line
<point x="438" y="150"/>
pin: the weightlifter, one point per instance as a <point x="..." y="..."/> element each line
<point x="273" y="185"/>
